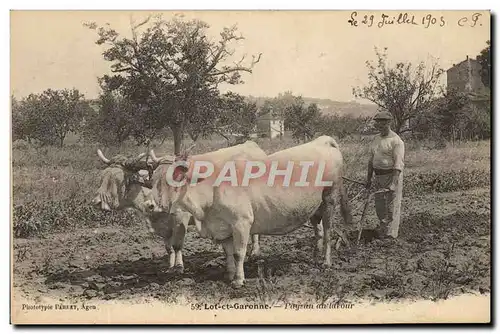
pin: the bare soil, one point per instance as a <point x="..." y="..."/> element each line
<point x="443" y="250"/>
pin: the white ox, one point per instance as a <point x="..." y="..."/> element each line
<point x="230" y="214"/>
<point x="122" y="188"/>
<point x="219" y="157"/>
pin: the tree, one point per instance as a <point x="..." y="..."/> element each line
<point x="341" y="126"/>
<point x="280" y="105"/>
<point x="48" y="117"/>
<point x="228" y="114"/>
<point x="63" y="111"/>
<point x="454" y="117"/>
<point x="402" y="90"/>
<point x="302" y="120"/>
<point x="26" y="118"/>
<point x="115" y="121"/>
<point x="237" y="115"/>
<point x="18" y="121"/>
<point x="172" y="68"/>
<point x="484" y="59"/>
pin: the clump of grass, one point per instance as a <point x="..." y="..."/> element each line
<point x="418" y="183"/>
<point x="35" y="218"/>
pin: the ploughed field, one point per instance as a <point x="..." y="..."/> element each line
<point x="65" y="249"/>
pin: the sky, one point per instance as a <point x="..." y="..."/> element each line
<point x="311" y="53"/>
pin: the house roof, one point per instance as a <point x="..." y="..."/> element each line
<point x="472" y="60"/>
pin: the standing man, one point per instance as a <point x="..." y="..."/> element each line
<point x="386" y="162"/>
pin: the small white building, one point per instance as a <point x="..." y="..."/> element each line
<point x="270" y="126"/>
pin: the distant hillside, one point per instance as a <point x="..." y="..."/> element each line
<point x="329" y="107"/>
<point x="343" y="108"/>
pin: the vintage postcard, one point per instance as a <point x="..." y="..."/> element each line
<point x="250" y="167"/>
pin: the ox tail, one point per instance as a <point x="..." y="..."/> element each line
<point x="345" y="207"/>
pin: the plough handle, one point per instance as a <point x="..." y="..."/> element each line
<point x="365" y="208"/>
<point x="358" y="182"/>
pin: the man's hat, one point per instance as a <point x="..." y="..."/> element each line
<point x="383" y="115"/>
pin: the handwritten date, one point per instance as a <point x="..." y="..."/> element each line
<point x="425" y="21"/>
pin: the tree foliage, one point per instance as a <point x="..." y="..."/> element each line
<point x="279" y="106"/>
<point x="341" y="126"/>
<point x="19" y="123"/>
<point x="172" y="69"/>
<point x="402" y="89"/>
<point x="302" y="119"/>
<point x="484" y="59"/>
<point x="48" y="117"/>
<point x="229" y="114"/>
<point x="455" y="117"/>
<point x="115" y="120"/>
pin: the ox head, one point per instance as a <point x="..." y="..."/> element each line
<point x="119" y="174"/>
<point x="169" y="171"/>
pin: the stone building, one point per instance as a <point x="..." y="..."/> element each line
<point x="465" y="77"/>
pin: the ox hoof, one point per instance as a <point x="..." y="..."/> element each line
<point x="326" y="265"/>
<point x="178" y="269"/>
<point x="229" y="277"/>
<point x="255" y="254"/>
<point x="236" y="284"/>
<point x="175" y="270"/>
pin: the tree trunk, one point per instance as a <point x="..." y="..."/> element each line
<point x="397" y="126"/>
<point x="178" y="132"/>
<point x="61" y="141"/>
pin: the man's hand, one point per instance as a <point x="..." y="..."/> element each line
<point x="395" y="178"/>
<point x="392" y="187"/>
<point x="369" y="175"/>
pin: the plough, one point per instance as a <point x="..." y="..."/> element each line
<point x="369" y="195"/>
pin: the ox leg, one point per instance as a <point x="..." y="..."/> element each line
<point x="169" y="247"/>
<point x="327" y="219"/>
<point x="255" y="252"/>
<point x="318" y="236"/>
<point x="179" y="265"/>
<point x="171" y="254"/>
<point x="230" y="264"/>
<point x="178" y="244"/>
<point x="241" y="236"/>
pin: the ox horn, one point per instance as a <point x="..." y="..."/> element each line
<point x="153" y="156"/>
<point x="157" y="160"/>
<point x="102" y="157"/>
